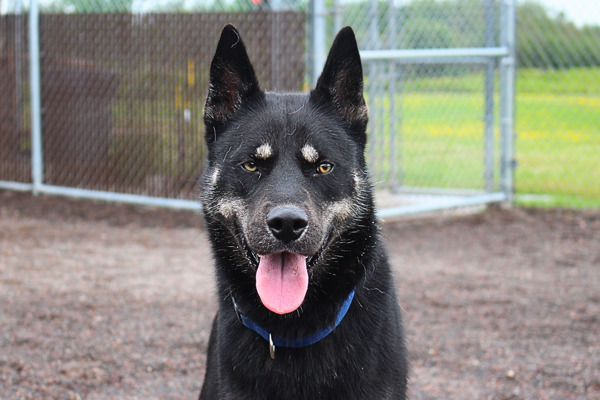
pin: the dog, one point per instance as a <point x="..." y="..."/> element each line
<point x="307" y="307"/>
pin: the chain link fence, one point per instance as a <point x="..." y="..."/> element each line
<point x="122" y="92"/>
<point x="558" y="103"/>
<point x="435" y="124"/>
<point x="124" y="81"/>
<point x="435" y="90"/>
<point x="15" y="142"/>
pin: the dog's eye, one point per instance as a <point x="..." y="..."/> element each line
<point x="324" y="168"/>
<point x="250" y="166"/>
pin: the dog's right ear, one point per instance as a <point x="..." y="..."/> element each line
<point x="232" y="82"/>
<point x="340" y="85"/>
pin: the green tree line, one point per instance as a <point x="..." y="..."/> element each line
<point x="544" y="40"/>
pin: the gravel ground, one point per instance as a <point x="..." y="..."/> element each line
<point x="104" y="301"/>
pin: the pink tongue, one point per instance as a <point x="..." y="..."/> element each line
<point x="282" y="281"/>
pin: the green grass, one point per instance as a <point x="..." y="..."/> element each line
<point x="571" y="81"/>
<point x="441" y="141"/>
<point x="557" y="145"/>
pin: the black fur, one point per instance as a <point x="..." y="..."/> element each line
<point x="364" y="357"/>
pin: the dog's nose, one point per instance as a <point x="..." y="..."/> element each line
<point x="287" y="223"/>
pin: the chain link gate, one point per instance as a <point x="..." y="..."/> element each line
<point x="439" y="83"/>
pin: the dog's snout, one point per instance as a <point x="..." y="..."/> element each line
<point x="287" y="223"/>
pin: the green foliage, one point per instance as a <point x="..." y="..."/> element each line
<point x="421" y="23"/>
<point x="162" y="6"/>
<point x="544" y="41"/>
<point x="582" y="81"/>
<point x="420" y="33"/>
<point x="585" y="81"/>
<point x="87" y="6"/>
<point x="166" y="6"/>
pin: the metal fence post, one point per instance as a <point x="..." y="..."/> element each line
<point x="489" y="98"/>
<point x="394" y="178"/>
<point x="37" y="168"/>
<point x="507" y="100"/>
<point x="317" y="35"/>
<point x="374" y="80"/>
<point x="338" y="15"/>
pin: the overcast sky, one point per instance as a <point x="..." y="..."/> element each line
<point x="581" y="12"/>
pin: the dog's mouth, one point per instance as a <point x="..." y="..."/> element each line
<point x="281" y="277"/>
<point x="254" y="258"/>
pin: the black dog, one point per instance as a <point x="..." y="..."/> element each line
<point x="307" y="306"/>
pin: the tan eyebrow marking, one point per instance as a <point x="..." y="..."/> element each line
<point x="263" y="152"/>
<point x="310" y="154"/>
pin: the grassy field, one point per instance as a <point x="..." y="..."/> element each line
<point x="558" y="126"/>
<point x="557" y="145"/>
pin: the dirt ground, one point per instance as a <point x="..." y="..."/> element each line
<point x="104" y="301"/>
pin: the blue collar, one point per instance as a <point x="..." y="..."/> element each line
<point x="295" y="342"/>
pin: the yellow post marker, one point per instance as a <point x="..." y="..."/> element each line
<point x="191" y="74"/>
<point x="178" y="97"/>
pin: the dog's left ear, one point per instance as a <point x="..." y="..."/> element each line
<point x="232" y="82"/>
<point x="340" y="85"/>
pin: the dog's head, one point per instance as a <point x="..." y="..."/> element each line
<point x="285" y="187"/>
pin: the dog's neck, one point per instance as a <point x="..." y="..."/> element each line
<point x="281" y="341"/>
